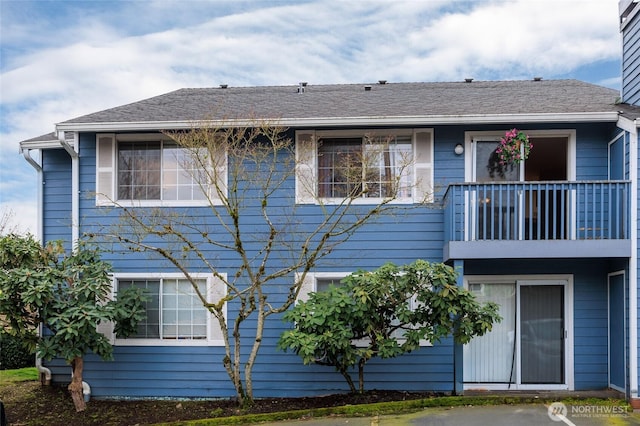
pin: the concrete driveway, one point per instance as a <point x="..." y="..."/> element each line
<point x="495" y="415"/>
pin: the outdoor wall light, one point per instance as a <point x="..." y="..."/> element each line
<point x="459" y="149"/>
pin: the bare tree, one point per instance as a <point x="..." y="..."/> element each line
<point x="6" y="222"/>
<point x="246" y="171"/>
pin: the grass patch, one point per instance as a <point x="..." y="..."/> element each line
<point x="27" y="374"/>
<point x="387" y="408"/>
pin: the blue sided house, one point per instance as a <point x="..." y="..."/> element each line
<point x="552" y="239"/>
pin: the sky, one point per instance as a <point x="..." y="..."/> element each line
<point x="62" y="59"/>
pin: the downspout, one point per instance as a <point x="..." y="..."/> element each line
<point x="633" y="263"/>
<point x="75" y="210"/>
<point x="45" y="373"/>
<point x="75" y="187"/>
<point x="26" y="153"/>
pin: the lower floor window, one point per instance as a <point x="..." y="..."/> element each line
<point x="322" y="281"/>
<point x="173" y="310"/>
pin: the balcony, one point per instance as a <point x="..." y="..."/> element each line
<point x="537" y="219"/>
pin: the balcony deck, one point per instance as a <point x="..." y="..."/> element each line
<point x="537" y="220"/>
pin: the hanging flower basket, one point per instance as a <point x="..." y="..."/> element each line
<point x="514" y="147"/>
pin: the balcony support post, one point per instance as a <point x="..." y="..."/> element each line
<point x="458" y="360"/>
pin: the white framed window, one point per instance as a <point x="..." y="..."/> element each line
<point x="175" y="315"/>
<point x="150" y="170"/>
<point x="376" y="164"/>
<point x="320" y="281"/>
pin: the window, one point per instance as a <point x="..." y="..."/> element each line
<point x="373" y="168"/>
<point x="323" y="284"/>
<point x="174" y="312"/>
<point x="367" y="165"/>
<point x="173" y="309"/>
<point x="320" y="281"/>
<point x="157" y="171"/>
<point x="149" y="170"/>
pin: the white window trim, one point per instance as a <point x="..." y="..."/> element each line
<point x="310" y="284"/>
<point x="102" y="197"/>
<point x="213" y="327"/>
<point x="417" y="191"/>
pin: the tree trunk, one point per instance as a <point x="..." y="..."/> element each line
<point x="75" y="387"/>
<point x="347" y="377"/>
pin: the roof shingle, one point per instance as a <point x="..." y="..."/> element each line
<point x="352" y="100"/>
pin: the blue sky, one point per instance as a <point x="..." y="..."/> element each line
<point x="62" y="59"/>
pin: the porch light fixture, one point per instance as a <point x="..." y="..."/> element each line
<point x="459" y="149"/>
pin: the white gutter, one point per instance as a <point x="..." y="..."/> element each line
<point x="45" y="373"/>
<point x="633" y="263"/>
<point x="75" y="210"/>
<point x="418" y="120"/>
<point x="75" y="219"/>
<point x="631" y="126"/>
<point x="75" y="186"/>
<point x="26" y="153"/>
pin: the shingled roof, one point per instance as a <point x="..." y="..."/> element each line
<point x="453" y="99"/>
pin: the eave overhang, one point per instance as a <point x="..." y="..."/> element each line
<point x="608" y="116"/>
<point x="324" y="122"/>
<point x="40" y="144"/>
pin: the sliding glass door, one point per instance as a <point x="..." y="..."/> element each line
<point x="526" y="349"/>
<point x="542" y="334"/>
<point x="490" y="358"/>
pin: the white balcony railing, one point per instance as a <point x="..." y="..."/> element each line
<point x="586" y="210"/>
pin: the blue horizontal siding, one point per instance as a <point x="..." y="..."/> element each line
<point x="631" y="62"/>
<point x="403" y="237"/>
<point x="56" y="195"/>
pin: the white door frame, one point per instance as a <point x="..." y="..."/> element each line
<point x="470" y="139"/>
<point x="561" y="279"/>
<point x="624" y="331"/>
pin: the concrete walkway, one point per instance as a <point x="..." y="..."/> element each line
<point x="497" y="415"/>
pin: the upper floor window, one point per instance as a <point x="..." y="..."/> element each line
<point x="373" y="168"/>
<point x="364" y="165"/>
<point x="149" y="170"/>
<point x="158" y="171"/>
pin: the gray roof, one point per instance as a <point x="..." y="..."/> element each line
<point x="49" y="137"/>
<point x="353" y="100"/>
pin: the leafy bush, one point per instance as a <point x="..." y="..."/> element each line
<point x="14" y="353"/>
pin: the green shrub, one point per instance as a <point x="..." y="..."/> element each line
<point x="14" y="353"/>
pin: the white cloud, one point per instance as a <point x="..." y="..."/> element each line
<point x="73" y="58"/>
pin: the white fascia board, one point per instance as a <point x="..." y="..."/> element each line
<point x="454" y="119"/>
<point x="609" y="116"/>
<point x="43" y="144"/>
<point x="52" y="144"/>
